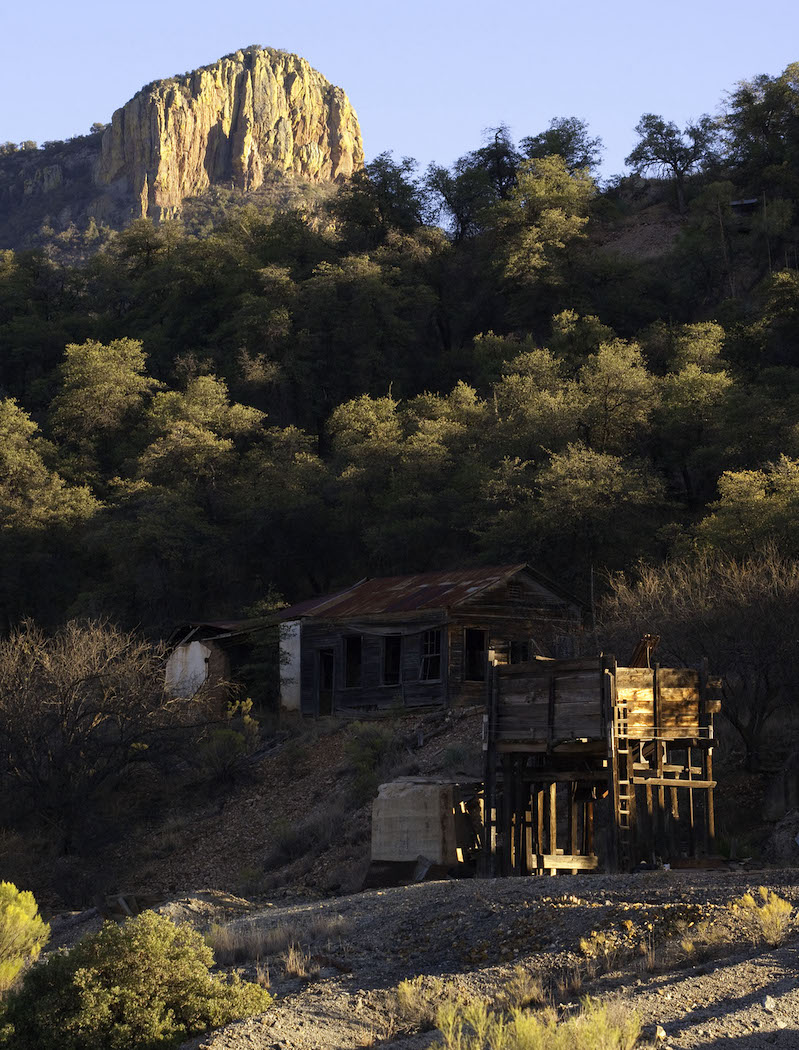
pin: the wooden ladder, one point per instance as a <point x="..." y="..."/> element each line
<point x="624" y="794"/>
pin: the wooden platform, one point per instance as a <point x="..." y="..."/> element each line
<point x="564" y="736"/>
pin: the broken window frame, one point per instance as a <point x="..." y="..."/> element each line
<point x="430" y="663"/>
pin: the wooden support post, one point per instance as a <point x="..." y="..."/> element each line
<point x="540" y="845"/>
<point x="674" y="824"/>
<point x="518" y="816"/>
<point x="711" y="817"/>
<point x="528" y="829"/>
<point x="489" y="864"/>
<point x="706" y="719"/>
<point x="691" y="828"/>
<point x="553" y="820"/>
<point x="574" y="827"/>
<point x="650" y="821"/>
<point x="608" y="672"/>
<point x="506" y="825"/>
<point x="588" y="828"/>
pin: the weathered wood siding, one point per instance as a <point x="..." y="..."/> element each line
<point x="371" y="695"/>
<point x="552" y="703"/>
<point x="521" y="611"/>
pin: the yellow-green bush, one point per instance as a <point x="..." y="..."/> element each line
<point x="596" y="1027"/>
<point x="23" y="932"/>
<point x="769" y="921"/>
<point x="141" y="986"/>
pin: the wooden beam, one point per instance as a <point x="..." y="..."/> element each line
<point x="673" y="782"/>
<point x="565" y="860"/>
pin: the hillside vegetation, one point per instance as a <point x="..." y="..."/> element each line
<point x="497" y="361"/>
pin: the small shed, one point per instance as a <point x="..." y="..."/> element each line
<point x="422" y="640"/>
<point x="201" y="654"/>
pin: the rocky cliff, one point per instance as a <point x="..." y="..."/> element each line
<point x="228" y="123"/>
<point x="255" y="114"/>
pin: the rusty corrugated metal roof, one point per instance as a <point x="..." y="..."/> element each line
<point x="398" y="594"/>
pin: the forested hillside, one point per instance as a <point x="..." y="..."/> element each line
<point x="500" y="360"/>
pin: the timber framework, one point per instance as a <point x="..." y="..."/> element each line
<point x="588" y="765"/>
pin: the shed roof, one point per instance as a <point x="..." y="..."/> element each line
<point x="420" y="592"/>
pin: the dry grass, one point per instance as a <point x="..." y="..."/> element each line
<point x="297" y="962"/>
<point x="769" y="921"/>
<point x="417" y="1001"/>
<point x="595" y="1027"/>
<point x="522" y="990"/>
<point x="248" y="940"/>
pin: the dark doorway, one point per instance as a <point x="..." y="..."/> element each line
<point x="475" y="646"/>
<point x="325" y="679"/>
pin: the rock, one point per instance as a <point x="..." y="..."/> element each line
<point x="769" y="1004"/>
<point x="228" y="123"/>
<point x="258" y="114"/>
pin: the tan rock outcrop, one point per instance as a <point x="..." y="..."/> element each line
<point x="227" y="124"/>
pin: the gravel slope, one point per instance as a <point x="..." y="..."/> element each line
<point x="474" y="933"/>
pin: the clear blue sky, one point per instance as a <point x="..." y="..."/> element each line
<point x="425" y="76"/>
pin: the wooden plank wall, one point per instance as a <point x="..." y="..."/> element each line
<point x="371" y="695"/>
<point x="554" y="703"/>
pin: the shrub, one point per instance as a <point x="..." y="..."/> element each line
<point x="596" y="1027"/>
<point x="23" y="933"/>
<point x="141" y="986"/>
<point x="768" y="921"/>
<point x="419" y="1000"/>
<point x="370" y="749"/>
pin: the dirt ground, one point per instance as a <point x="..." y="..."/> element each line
<point x="475" y="934"/>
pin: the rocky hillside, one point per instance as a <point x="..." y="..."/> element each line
<point x="252" y="114"/>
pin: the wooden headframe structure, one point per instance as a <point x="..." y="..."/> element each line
<point x="582" y="754"/>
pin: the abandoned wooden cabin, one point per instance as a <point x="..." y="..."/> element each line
<point x="565" y="736"/>
<point x="421" y="640"/>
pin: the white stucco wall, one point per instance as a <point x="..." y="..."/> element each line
<point x="187" y="669"/>
<point x="290" y="640"/>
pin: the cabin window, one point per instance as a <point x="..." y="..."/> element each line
<point x="475" y="646"/>
<point x="353" y="647"/>
<point x="430" y="669"/>
<point x="519" y="652"/>
<point x="392" y="659"/>
<point x="515" y="592"/>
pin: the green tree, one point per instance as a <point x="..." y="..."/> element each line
<point x="461" y="194"/>
<point x="545" y="211"/>
<point x="568" y="137"/>
<point x="23" y="933"/>
<point x="538" y="408"/>
<point x="761" y="131"/>
<point x="619" y="393"/>
<point x="32" y="496"/>
<point x="144" y="985"/>
<point x="754" y="507"/>
<point x="582" y="510"/>
<point x="43" y="522"/>
<point x="382" y="196"/>
<point x="672" y="153"/>
<point x="102" y="397"/>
